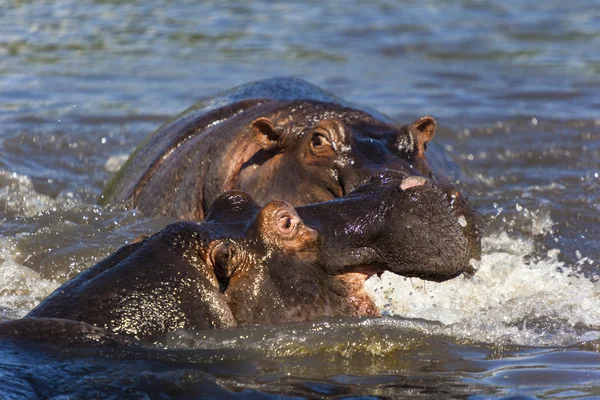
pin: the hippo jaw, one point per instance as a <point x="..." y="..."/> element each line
<point x="256" y="293"/>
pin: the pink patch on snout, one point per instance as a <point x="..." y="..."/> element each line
<point x="412" y="181"/>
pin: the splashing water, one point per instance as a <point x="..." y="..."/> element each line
<point x="513" y="298"/>
<point x="115" y="162"/>
<point x="22" y="288"/>
<point x="18" y="195"/>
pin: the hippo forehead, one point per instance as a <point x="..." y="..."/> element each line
<point x="301" y="116"/>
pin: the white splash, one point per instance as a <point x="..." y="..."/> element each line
<point x="17" y="195"/>
<point x="22" y="288"/>
<point x="510" y="299"/>
<point x="115" y="162"/>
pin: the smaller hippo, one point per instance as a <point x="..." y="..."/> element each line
<point x="247" y="264"/>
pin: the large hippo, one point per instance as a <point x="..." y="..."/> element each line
<point x="281" y="139"/>
<point x="247" y="264"/>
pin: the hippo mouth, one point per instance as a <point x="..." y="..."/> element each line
<point x="357" y="297"/>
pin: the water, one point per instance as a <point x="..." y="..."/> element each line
<point x="514" y="87"/>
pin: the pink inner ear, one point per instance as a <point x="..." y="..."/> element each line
<point x="424" y="132"/>
<point x="427" y="126"/>
<point x="265" y="134"/>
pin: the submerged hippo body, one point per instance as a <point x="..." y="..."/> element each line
<point x="247" y="264"/>
<point x="281" y="139"/>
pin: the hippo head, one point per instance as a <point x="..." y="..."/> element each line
<point x="299" y="264"/>
<point x="247" y="264"/>
<point x="314" y="152"/>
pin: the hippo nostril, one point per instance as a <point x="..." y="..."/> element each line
<point x="412" y="181"/>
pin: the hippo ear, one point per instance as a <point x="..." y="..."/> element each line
<point x="232" y="206"/>
<point x="264" y="134"/>
<point x="222" y="258"/>
<point x="423" y="130"/>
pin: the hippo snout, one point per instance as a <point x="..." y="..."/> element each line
<point x="426" y="237"/>
<point x="395" y="223"/>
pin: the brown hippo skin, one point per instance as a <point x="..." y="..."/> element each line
<point x="247" y="264"/>
<point x="281" y="138"/>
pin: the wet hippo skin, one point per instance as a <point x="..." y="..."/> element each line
<point x="280" y="139"/>
<point x="247" y="264"/>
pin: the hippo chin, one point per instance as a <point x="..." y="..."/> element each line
<point x="281" y="139"/>
<point x="247" y="264"/>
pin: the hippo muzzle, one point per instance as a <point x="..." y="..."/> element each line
<point x="399" y="224"/>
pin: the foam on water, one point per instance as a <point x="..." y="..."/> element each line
<point x="21" y="288"/>
<point x="115" y="162"/>
<point x="514" y="297"/>
<point x="17" y="195"/>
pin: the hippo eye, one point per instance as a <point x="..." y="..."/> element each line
<point x="285" y="224"/>
<point x="319" y="141"/>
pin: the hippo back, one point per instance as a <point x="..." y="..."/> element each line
<point x="280" y="88"/>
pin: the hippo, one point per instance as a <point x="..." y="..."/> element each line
<point x="280" y="138"/>
<point x="251" y="264"/>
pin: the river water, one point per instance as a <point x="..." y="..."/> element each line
<point x="514" y="86"/>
